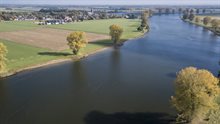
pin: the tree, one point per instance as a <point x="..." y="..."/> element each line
<point x="115" y="33"/>
<point x="77" y="40"/>
<point x="207" y="20"/>
<point x="180" y="10"/>
<point x="185" y="15"/>
<point x="197" y="19"/>
<point x="195" y="94"/>
<point x="144" y="19"/>
<point x="167" y="10"/>
<point x="191" y="16"/>
<point x="215" y="23"/>
<point x="3" y="52"/>
<point x="144" y="22"/>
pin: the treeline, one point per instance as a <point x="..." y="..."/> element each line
<point x="69" y="15"/>
<point x="144" y="21"/>
<point x="210" y="22"/>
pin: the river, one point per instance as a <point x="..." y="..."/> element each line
<point x="130" y="85"/>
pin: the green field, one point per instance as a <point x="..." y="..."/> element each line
<point x="20" y="56"/>
<point x="102" y="26"/>
<point x="17" y="25"/>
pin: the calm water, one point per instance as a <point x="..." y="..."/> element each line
<point x="131" y="85"/>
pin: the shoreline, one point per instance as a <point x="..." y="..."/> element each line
<point x="201" y="25"/>
<point x="52" y="62"/>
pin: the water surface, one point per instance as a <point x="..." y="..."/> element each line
<point x="130" y="85"/>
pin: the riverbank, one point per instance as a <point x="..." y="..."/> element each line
<point x="209" y="27"/>
<point x="89" y="50"/>
<point x="52" y="62"/>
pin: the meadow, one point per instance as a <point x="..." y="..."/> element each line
<point x="102" y="26"/>
<point x="6" y="26"/>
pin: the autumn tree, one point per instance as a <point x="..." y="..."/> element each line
<point x="215" y="23"/>
<point x="3" y="52"/>
<point x="77" y="40"/>
<point x="115" y="33"/>
<point x="197" y="19"/>
<point x="207" y="20"/>
<point x="144" y="22"/>
<point x="195" y="94"/>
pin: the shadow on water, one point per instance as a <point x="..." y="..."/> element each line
<point x="171" y="75"/>
<point x="55" y="53"/>
<point x="96" y="117"/>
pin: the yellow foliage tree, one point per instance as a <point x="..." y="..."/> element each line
<point x="215" y="23"/>
<point x="195" y="94"/>
<point x="77" y="40"/>
<point x="115" y="33"/>
<point x="3" y="52"/>
<point x="197" y="19"/>
<point x="207" y="20"/>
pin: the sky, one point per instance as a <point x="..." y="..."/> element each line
<point x="114" y="2"/>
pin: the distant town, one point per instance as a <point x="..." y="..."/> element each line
<point x="48" y="15"/>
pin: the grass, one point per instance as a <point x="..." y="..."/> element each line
<point x="17" y="25"/>
<point x="20" y="56"/>
<point x="102" y="26"/>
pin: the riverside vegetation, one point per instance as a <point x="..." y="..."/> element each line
<point x="210" y="22"/>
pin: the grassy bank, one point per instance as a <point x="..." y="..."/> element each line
<point x="21" y="56"/>
<point x="208" y="26"/>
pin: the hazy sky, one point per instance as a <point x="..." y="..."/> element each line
<point x="114" y="2"/>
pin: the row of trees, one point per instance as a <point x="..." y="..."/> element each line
<point x="73" y="15"/>
<point x="196" y="91"/>
<point x="215" y="23"/>
<point x="144" y="22"/>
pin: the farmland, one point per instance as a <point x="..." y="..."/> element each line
<point x="53" y="39"/>
<point x="30" y="44"/>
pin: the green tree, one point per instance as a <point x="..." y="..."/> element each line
<point x="3" y="52"/>
<point x="77" y="40"/>
<point x="207" y="20"/>
<point x="191" y="16"/>
<point x="116" y="33"/>
<point x="195" y="94"/>
<point x="144" y="22"/>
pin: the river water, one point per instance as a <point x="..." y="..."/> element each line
<point x="130" y="85"/>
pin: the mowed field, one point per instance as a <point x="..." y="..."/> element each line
<point x="30" y="44"/>
<point x="54" y="39"/>
<point x="102" y="26"/>
<point x="6" y="26"/>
